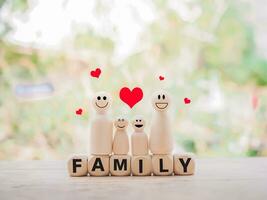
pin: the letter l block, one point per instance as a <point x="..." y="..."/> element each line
<point x="162" y="165"/>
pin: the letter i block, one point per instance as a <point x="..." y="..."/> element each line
<point x="141" y="165"/>
<point x="77" y="165"/>
<point x="98" y="165"/>
<point x="120" y="165"/>
<point x="162" y="165"/>
<point x="184" y="164"/>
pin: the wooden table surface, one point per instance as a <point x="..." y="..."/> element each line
<point x="216" y="178"/>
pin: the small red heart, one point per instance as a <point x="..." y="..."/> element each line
<point x="79" y="111"/>
<point x="161" y="78"/>
<point x="187" y="100"/>
<point x="96" y="73"/>
<point x="131" y="97"/>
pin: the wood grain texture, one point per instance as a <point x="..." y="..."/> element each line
<point x="225" y="179"/>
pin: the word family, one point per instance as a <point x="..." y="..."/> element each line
<point x="126" y="165"/>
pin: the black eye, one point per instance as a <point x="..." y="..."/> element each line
<point x="163" y="96"/>
<point x="104" y="97"/>
<point x="136" y="120"/>
<point x="122" y="120"/>
<point x="119" y="120"/>
<point x="139" y="120"/>
<point x="98" y="98"/>
<point x="158" y="96"/>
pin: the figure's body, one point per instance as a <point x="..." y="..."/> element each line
<point x="101" y="128"/>
<point x="161" y="140"/>
<point x="121" y="140"/>
<point x="139" y="140"/>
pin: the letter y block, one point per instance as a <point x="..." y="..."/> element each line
<point x="184" y="164"/>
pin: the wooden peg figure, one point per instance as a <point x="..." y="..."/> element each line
<point x="161" y="140"/>
<point x="121" y="140"/>
<point x="102" y="126"/>
<point x="139" y="140"/>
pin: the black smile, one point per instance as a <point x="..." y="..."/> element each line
<point x="138" y="125"/>
<point x="121" y="126"/>
<point x="101" y="106"/>
<point x="166" y="104"/>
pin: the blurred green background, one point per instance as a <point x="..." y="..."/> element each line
<point x="211" y="51"/>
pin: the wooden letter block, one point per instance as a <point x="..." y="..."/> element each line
<point x="162" y="165"/>
<point x="184" y="164"/>
<point x="77" y="165"/>
<point x="141" y="165"/>
<point x="98" y="165"/>
<point x="120" y="165"/>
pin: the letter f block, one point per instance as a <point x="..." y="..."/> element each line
<point x="77" y="165"/>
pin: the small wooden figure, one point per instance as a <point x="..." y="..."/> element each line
<point x="161" y="140"/>
<point x="139" y="140"/>
<point x="141" y="165"/>
<point x="120" y="165"/>
<point x="184" y="164"/>
<point x="98" y="165"/>
<point x="121" y="140"/>
<point x="102" y="127"/>
<point x="162" y="165"/>
<point x="77" y="165"/>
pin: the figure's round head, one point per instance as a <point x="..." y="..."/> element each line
<point x="121" y="123"/>
<point x="138" y="123"/>
<point x="160" y="100"/>
<point x="101" y="102"/>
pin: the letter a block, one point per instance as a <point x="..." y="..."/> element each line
<point x="141" y="165"/>
<point x="120" y="165"/>
<point x="184" y="164"/>
<point x="98" y="165"/>
<point x="77" y="165"/>
<point x="162" y="165"/>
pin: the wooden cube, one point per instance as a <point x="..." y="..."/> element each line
<point x="141" y="165"/>
<point x="120" y="165"/>
<point x="162" y="165"/>
<point x="184" y="164"/>
<point x="98" y="165"/>
<point x="77" y="165"/>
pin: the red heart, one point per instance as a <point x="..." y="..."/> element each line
<point x="96" y="73"/>
<point x="131" y="97"/>
<point x="161" y="78"/>
<point x="187" y="100"/>
<point x="79" y="111"/>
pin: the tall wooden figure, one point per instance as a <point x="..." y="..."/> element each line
<point x="120" y="162"/>
<point x="141" y="160"/>
<point x="161" y="140"/>
<point x="100" y="136"/>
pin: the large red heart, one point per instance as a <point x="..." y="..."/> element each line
<point x="96" y="73"/>
<point x="131" y="97"/>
